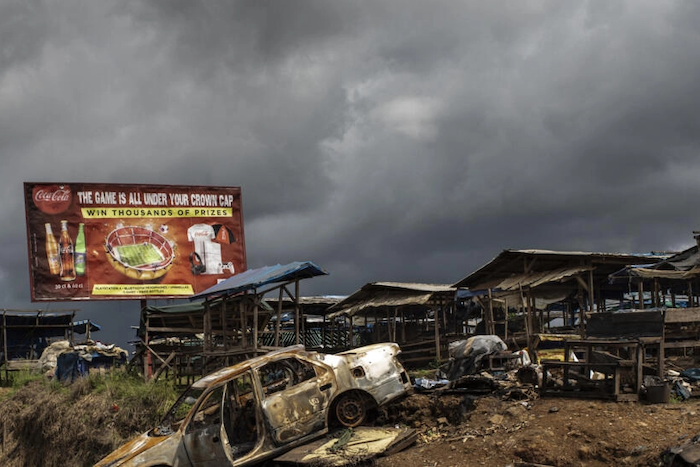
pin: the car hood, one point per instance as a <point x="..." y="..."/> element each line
<point x="131" y="449"/>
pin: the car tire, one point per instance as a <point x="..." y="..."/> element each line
<point x="351" y="410"/>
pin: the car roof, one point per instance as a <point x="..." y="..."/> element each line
<point x="228" y="372"/>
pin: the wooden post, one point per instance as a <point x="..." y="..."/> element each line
<point x="531" y="324"/>
<point x="591" y="294"/>
<point x="296" y="311"/>
<point x="533" y="310"/>
<point x="279" y="318"/>
<point x="396" y="324"/>
<point x="437" y="336"/>
<point x="388" y="325"/>
<point x="528" y="331"/>
<point x="366" y="325"/>
<point x="255" y="324"/>
<point x="491" y="325"/>
<point x="207" y="328"/>
<point x="146" y="353"/>
<point x="639" y="369"/>
<point x="224" y="325"/>
<point x="581" y="312"/>
<point x="656" y="293"/>
<point x="444" y="316"/>
<point x="4" y="345"/>
<point x="641" y="294"/>
<point x="244" y="324"/>
<point x="403" y="327"/>
<point x="690" y="294"/>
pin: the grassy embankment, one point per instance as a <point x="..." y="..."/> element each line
<point x="50" y="424"/>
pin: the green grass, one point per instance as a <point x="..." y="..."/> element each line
<point x="19" y="379"/>
<point x="130" y="391"/>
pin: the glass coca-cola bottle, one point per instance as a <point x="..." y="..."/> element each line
<point x="65" y="246"/>
<point x="80" y="251"/>
<point x="52" y="251"/>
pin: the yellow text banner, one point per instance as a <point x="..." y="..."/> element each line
<point x="142" y="289"/>
<point x="139" y="213"/>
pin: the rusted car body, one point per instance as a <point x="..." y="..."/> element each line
<point x="260" y="408"/>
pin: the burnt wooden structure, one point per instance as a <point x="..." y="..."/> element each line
<point x="619" y="350"/>
<point x="188" y="340"/>
<point x="672" y="285"/>
<point x="415" y="315"/>
<point x="526" y="283"/>
<point x="223" y="325"/>
<point x="316" y="330"/>
<point x="26" y="333"/>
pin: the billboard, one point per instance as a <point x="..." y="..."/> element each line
<point x="96" y="241"/>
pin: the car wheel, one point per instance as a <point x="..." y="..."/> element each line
<point x="350" y="410"/>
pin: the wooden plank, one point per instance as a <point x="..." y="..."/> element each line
<point x="681" y="344"/>
<point x="21" y="364"/>
<point x="177" y="330"/>
<point x="682" y="315"/>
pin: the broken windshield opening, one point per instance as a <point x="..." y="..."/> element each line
<point x="177" y="413"/>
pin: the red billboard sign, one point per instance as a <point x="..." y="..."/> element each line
<point x="120" y="241"/>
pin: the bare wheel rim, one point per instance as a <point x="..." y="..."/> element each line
<point x="350" y="410"/>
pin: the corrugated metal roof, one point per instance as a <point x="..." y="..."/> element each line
<point x="418" y="286"/>
<point x="515" y="262"/>
<point x="81" y="326"/>
<point x="390" y="294"/>
<point x="311" y="300"/>
<point x="648" y="273"/>
<point x="254" y="278"/>
<point x="681" y="266"/>
<point x="658" y="256"/>
<point x="539" y="278"/>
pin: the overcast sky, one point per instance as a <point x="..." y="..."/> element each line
<point x="383" y="140"/>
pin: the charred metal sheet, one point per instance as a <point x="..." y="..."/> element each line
<point x="338" y="449"/>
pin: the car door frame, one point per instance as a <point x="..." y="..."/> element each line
<point x="279" y="409"/>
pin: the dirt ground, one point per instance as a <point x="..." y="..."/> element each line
<point x="514" y="428"/>
<point x="463" y="431"/>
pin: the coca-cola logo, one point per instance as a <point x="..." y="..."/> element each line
<point x="52" y="199"/>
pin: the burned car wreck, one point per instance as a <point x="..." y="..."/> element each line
<point x="262" y="407"/>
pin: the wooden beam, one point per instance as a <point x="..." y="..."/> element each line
<point x="166" y="364"/>
<point x="581" y="282"/>
<point x="682" y="315"/>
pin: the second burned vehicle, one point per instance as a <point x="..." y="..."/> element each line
<point x="260" y="408"/>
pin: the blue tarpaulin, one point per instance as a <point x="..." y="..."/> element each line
<point x="254" y="278"/>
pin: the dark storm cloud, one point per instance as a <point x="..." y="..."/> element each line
<point x="383" y="140"/>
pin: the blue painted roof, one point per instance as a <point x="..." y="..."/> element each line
<point x="254" y="278"/>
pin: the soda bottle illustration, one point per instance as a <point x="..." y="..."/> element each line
<point x="80" y="251"/>
<point x="52" y="251"/>
<point x="65" y="247"/>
